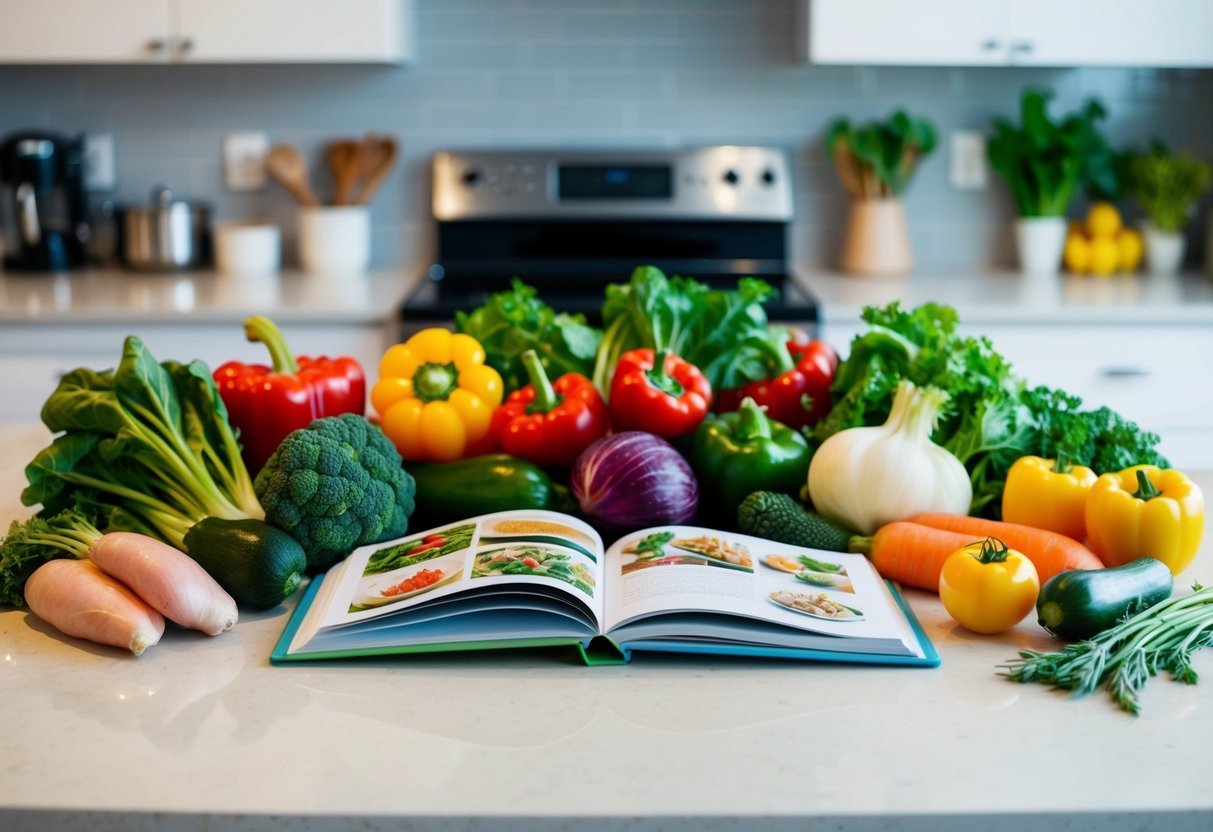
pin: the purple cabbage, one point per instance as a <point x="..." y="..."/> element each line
<point x="633" y="479"/>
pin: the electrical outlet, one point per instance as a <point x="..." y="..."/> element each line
<point x="244" y="161"/>
<point x="99" y="172"/>
<point x="967" y="171"/>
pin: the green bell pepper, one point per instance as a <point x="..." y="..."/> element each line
<point x="736" y="454"/>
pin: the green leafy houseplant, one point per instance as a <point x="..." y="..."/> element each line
<point x="1045" y="161"/>
<point x="1167" y="185"/>
<point x="878" y="159"/>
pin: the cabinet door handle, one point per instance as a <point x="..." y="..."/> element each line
<point x="991" y="45"/>
<point x="157" y="45"/>
<point x="1124" y="372"/>
<point x="1022" y="47"/>
<point x="185" y="46"/>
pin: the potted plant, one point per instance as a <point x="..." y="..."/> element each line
<point x="875" y="162"/>
<point x="1166" y="186"/>
<point x="1044" y="162"/>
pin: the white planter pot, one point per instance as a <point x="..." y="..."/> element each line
<point x="1040" y="241"/>
<point x="1164" y="250"/>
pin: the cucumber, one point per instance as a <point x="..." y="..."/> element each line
<point x="478" y="485"/>
<point x="1081" y="603"/>
<point x="778" y="517"/>
<point x="257" y="564"/>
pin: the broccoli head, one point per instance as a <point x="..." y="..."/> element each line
<point x="335" y="485"/>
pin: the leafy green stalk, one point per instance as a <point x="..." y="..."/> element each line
<point x="147" y="445"/>
<point x="723" y="333"/>
<point x="1167" y="185"/>
<point x="512" y="322"/>
<point x="878" y="159"/>
<point x="32" y="543"/>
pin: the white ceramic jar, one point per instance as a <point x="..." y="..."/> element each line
<point x="335" y="238"/>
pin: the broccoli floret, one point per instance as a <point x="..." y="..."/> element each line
<point x="335" y="485"/>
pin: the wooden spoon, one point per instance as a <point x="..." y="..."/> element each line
<point x="383" y="160"/>
<point x="286" y="166"/>
<point x="344" y="160"/>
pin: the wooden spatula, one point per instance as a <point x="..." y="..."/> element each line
<point x="286" y="166"/>
<point x="344" y="161"/>
<point x="379" y="156"/>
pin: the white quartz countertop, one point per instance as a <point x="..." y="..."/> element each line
<point x="1011" y="297"/>
<point x="203" y="733"/>
<point x="115" y="296"/>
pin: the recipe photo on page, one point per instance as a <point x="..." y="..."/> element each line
<point x="511" y="575"/>
<point x="688" y="584"/>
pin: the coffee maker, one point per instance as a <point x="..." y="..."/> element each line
<point x="42" y="205"/>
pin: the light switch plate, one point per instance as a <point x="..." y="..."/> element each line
<point x="99" y="174"/>
<point x="967" y="168"/>
<point x="244" y="161"/>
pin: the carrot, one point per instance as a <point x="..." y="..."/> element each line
<point x="167" y="579"/>
<point x="910" y="553"/>
<point x="1050" y="552"/>
<point x="78" y="599"/>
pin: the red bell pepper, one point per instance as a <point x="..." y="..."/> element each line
<point x="797" y="396"/>
<point x="549" y="423"/>
<point x="267" y="403"/>
<point x="661" y="394"/>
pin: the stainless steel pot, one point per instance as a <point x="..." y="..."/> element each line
<point x="167" y="235"/>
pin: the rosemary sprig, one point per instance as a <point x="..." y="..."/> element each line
<point x="1122" y="659"/>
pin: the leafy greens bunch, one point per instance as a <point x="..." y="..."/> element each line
<point x="512" y="322"/>
<point x="723" y="333"/>
<point x="148" y="448"/>
<point x="993" y="417"/>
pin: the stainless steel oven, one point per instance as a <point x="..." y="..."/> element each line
<point x="569" y="222"/>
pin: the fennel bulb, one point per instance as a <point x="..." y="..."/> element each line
<point x="863" y="478"/>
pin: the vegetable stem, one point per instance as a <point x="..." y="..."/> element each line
<point x="1145" y="489"/>
<point x="546" y="397"/>
<point x="261" y="328"/>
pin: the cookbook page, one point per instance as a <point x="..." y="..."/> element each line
<point x="684" y="569"/>
<point x="528" y="550"/>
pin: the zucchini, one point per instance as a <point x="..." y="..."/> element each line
<point x="1081" y="603"/>
<point x="778" y="517"/>
<point x="478" y="485"/>
<point x="258" y="565"/>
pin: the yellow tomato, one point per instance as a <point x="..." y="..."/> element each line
<point x="1103" y="219"/>
<point x="988" y="588"/>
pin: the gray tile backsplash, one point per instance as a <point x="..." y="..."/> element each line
<point x="626" y="73"/>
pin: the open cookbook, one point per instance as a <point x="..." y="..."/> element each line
<point x="540" y="578"/>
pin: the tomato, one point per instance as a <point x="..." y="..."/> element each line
<point x="988" y="588"/>
<point x="434" y="538"/>
<point x="531" y="562"/>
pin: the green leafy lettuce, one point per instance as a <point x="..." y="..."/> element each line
<point x="992" y="418"/>
<point x="512" y="322"/>
<point x="723" y="333"/>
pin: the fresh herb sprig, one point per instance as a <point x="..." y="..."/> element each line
<point x="1123" y="658"/>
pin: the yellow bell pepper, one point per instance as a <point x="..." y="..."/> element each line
<point x="436" y="396"/>
<point x="1038" y="493"/>
<point x="988" y="588"/>
<point x="1145" y="511"/>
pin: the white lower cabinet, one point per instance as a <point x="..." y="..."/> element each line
<point x="1156" y="375"/>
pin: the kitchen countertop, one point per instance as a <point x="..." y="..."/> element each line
<point x="994" y="297"/>
<point x="114" y="296"/>
<point x="202" y="733"/>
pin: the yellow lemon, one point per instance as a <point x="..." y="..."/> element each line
<point x="1130" y="244"/>
<point x="1105" y="255"/>
<point x="1077" y="254"/>
<point x="1103" y="219"/>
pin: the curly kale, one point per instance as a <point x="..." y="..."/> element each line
<point x="335" y="485"/>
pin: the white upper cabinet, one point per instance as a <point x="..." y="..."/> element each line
<point x="71" y="32"/>
<point x="1156" y="33"/>
<point x="205" y="31"/>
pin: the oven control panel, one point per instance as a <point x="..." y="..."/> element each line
<point x="712" y="183"/>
